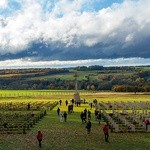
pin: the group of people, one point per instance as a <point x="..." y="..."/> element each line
<point x="85" y="118"/>
<point x="62" y="115"/>
<point x="85" y="115"/>
<point x="105" y="130"/>
<point x="66" y="102"/>
<point x="88" y="127"/>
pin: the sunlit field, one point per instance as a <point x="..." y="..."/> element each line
<point x="27" y="95"/>
<point x="70" y="135"/>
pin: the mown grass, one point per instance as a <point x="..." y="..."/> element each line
<point x="71" y="135"/>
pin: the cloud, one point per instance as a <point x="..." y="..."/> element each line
<point x="129" y="38"/>
<point x="69" y="27"/>
<point x="29" y="63"/>
<point x="3" y="4"/>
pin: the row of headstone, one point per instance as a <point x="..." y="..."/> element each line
<point x="131" y="115"/>
<point x="136" y="118"/>
<point x="131" y="105"/>
<point x="125" y="121"/>
<point x="111" y="121"/>
<point x="138" y="105"/>
<point x="130" y="119"/>
<point x="106" y="106"/>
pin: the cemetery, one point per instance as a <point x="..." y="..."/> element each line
<point x="127" y="117"/>
<point x="18" y="118"/>
<point x="21" y="116"/>
<point x="121" y="116"/>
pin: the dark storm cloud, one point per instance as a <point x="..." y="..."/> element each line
<point x="69" y="33"/>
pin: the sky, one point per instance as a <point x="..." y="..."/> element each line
<point x="66" y="33"/>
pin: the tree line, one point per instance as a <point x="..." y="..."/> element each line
<point x="138" y="81"/>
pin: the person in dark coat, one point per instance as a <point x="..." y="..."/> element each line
<point x="60" y="102"/>
<point x="82" y="116"/>
<point x="91" y="105"/>
<point x="72" y="101"/>
<point x="85" y="113"/>
<point x="88" y="126"/>
<point x="65" y="116"/>
<point x="89" y="114"/>
<point x="66" y="102"/>
<point x="58" y="111"/>
<point x="39" y="138"/>
<point x="28" y="106"/>
<point x="99" y="117"/>
<point x="96" y="113"/>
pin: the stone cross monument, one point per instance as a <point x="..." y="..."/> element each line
<point x="76" y="94"/>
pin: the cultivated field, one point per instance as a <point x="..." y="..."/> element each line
<point x="70" y="135"/>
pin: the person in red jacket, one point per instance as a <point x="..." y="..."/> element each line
<point x="39" y="138"/>
<point x="105" y="131"/>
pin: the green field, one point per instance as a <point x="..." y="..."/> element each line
<point x="71" y="135"/>
<point x="68" y="94"/>
<point x="93" y="75"/>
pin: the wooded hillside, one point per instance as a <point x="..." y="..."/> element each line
<point x="119" y="79"/>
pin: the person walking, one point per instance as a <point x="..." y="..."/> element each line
<point x="89" y="114"/>
<point x="60" y="101"/>
<point x="99" y="117"/>
<point x="39" y="138"/>
<point x="66" y="102"/>
<point x="105" y="131"/>
<point x="65" y="116"/>
<point x="82" y="115"/>
<point x="88" y="126"/>
<point x="96" y="113"/>
<point x="58" y="111"/>
<point x="61" y="116"/>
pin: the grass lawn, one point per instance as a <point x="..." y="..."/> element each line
<point x="71" y="135"/>
<point x="70" y="76"/>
